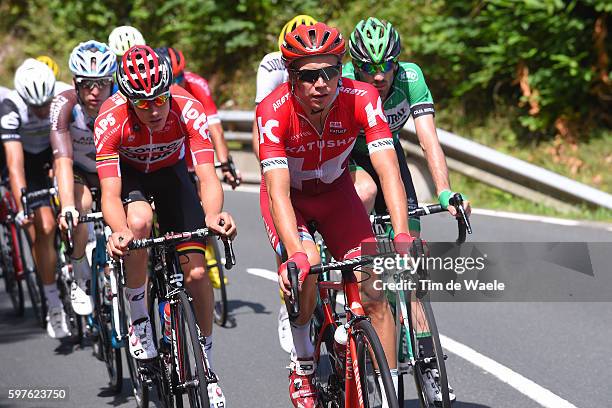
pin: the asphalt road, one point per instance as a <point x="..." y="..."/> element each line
<point x="562" y="347"/>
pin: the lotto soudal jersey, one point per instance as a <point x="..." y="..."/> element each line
<point x="270" y="74"/>
<point x="198" y="87"/>
<point x="72" y="131"/>
<point x="119" y="135"/>
<point x="409" y="95"/>
<point x="316" y="160"/>
<point x="18" y="122"/>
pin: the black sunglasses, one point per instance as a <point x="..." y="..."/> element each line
<point x="313" y="75"/>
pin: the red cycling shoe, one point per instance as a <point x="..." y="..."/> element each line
<point x="302" y="391"/>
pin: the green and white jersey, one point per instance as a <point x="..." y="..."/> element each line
<point x="408" y="95"/>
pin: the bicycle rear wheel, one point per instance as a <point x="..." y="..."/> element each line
<point x="376" y="383"/>
<point x="193" y="379"/>
<point x="220" y="293"/>
<point x="12" y="284"/>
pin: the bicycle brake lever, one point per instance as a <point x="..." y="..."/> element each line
<point x="230" y="258"/>
<point x="69" y="231"/>
<point x="293" y="307"/>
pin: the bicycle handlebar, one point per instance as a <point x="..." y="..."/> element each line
<point x="463" y="221"/>
<point x="26" y="197"/>
<point x="69" y="233"/>
<point x="174" y="238"/>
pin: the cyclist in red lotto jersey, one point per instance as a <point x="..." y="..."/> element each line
<point x="140" y="137"/>
<point x="198" y="87"/>
<point x="307" y="129"/>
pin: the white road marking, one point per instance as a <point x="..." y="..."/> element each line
<point x="522" y="384"/>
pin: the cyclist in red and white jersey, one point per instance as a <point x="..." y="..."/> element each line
<point x="198" y="87"/>
<point x="270" y="74"/>
<point x="73" y="113"/>
<point x="307" y="129"/>
<point x="140" y="138"/>
<point x="24" y="126"/>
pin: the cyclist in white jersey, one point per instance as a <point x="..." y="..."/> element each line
<point x="270" y="74"/>
<point x="24" y="126"/>
<point x="73" y="113"/>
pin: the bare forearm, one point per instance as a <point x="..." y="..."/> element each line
<point x="14" y="161"/>
<point x="210" y="189"/>
<point x="114" y="214"/>
<point x="255" y="140"/>
<point x="65" y="180"/>
<point x="395" y="197"/>
<point x="216" y="133"/>
<point x="285" y="223"/>
<point x="436" y="161"/>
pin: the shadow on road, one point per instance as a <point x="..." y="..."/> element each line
<point x="257" y="308"/>
<point x="117" y="399"/>
<point x="14" y="328"/>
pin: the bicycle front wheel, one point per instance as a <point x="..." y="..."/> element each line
<point x="430" y="371"/>
<point x="374" y="375"/>
<point x="12" y="284"/>
<point x="192" y="379"/>
<point x="215" y="266"/>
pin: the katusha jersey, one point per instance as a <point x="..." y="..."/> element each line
<point x="315" y="161"/>
<point x="72" y="131"/>
<point x="409" y="95"/>
<point x="119" y="135"/>
<point x="198" y="87"/>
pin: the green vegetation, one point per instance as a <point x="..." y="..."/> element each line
<point x="530" y="78"/>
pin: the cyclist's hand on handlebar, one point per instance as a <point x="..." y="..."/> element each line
<point x="444" y="198"/>
<point x="229" y="178"/>
<point x="62" y="217"/>
<point x="301" y="261"/>
<point x="22" y="220"/>
<point x="223" y="223"/>
<point x="118" y="242"/>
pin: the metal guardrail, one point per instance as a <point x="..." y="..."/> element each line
<point x="478" y="161"/>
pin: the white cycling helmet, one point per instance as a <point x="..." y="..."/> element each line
<point x="123" y="38"/>
<point x="34" y="82"/>
<point x="92" y="59"/>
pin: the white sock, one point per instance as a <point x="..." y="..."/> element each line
<point x="394" y="378"/>
<point x="301" y="340"/>
<point x="52" y="295"/>
<point x="138" y="305"/>
<point x="81" y="269"/>
<point x="208" y="349"/>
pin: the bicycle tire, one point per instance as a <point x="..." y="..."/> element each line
<point x="74" y="321"/>
<point x="364" y="334"/>
<point x="107" y="353"/>
<point x="12" y="285"/>
<point x="33" y="282"/>
<point x="438" y="358"/>
<point x="139" y="389"/>
<point x="220" y="293"/>
<point x="183" y="317"/>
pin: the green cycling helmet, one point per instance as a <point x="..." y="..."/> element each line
<point x="374" y="41"/>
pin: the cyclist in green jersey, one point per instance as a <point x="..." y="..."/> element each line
<point x="375" y="47"/>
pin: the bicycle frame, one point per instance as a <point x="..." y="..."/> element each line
<point x="353" y="394"/>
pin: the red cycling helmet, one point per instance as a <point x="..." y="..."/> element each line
<point x="306" y="41"/>
<point x="142" y="74"/>
<point x="177" y="61"/>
